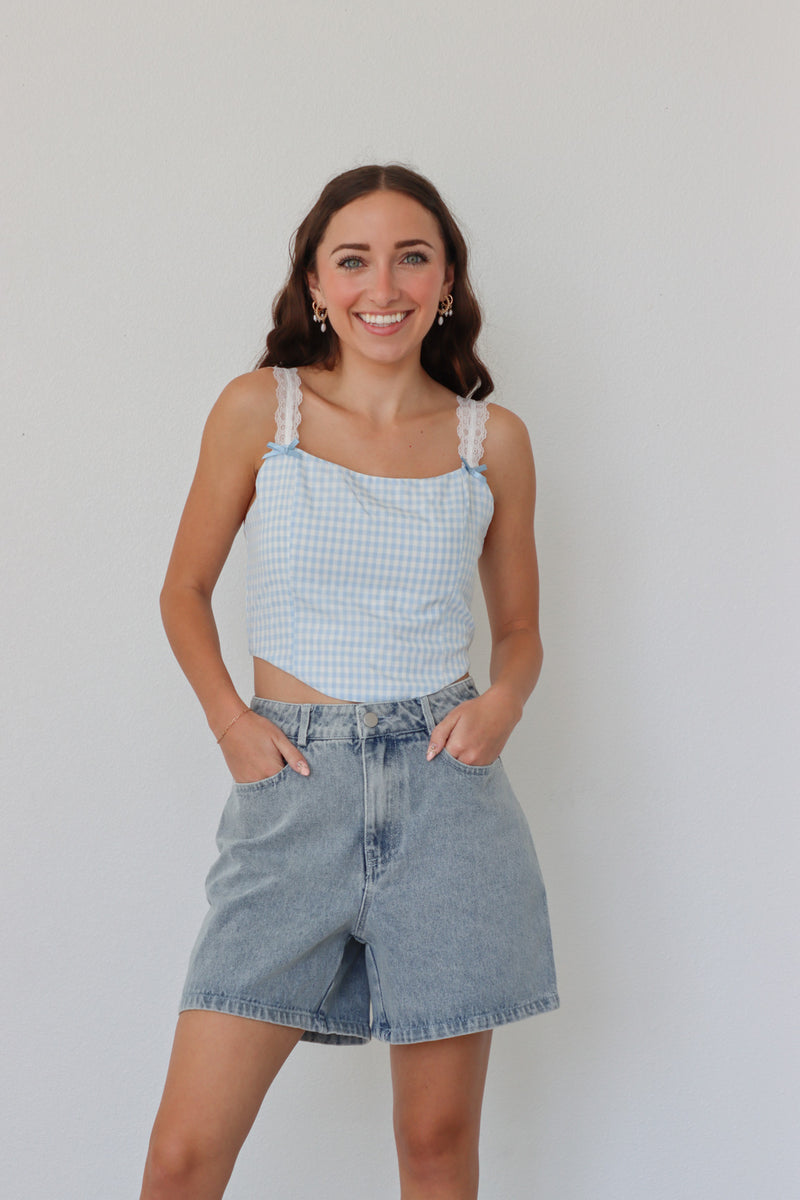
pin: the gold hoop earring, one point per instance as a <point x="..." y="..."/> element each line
<point x="320" y="315"/>
<point x="445" y="308"/>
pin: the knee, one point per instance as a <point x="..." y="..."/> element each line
<point x="173" y="1168"/>
<point x="437" y="1147"/>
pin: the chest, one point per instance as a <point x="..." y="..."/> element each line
<point x="335" y="530"/>
<point x="412" y="449"/>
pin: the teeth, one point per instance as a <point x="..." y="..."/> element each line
<point x="381" y="318"/>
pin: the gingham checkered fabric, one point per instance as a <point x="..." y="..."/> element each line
<point x="360" y="585"/>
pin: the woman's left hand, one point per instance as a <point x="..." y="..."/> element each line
<point x="475" y="731"/>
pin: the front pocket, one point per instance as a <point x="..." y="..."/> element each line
<point x="268" y="781"/>
<point x="478" y="769"/>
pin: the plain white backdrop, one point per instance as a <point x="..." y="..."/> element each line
<point x="627" y="176"/>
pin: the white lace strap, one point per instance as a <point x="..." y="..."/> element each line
<point x="472" y="417"/>
<point x="287" y="417"/>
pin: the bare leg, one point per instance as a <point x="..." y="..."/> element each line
<point x="219" y="1072"/>
<point x="438" y="1092"/>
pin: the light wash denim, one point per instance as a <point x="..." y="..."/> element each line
<point x="382" y="895"/>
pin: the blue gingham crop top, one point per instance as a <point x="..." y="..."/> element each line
<point x="360" y="585"/>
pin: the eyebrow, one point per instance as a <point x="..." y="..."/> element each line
<point x="398" y="245"/>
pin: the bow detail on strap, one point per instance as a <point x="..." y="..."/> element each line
<point x="282" y="447"/>
<point x="474" y="470"/>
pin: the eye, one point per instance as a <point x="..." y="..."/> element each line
<point x="415" y="258"/>
<point x="350" y="262"/>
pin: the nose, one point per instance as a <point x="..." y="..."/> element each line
<point x="384" y="285"/>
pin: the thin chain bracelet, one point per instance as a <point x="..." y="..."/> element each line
<point x="231" y="724"/>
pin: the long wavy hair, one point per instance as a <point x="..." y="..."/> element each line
<point x="448" y="351"/>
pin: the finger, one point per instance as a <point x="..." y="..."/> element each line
<point x="439" y="735"/>
<point x="293" y="756"/>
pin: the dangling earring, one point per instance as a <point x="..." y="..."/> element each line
<point x="445" y="308"/>
<point x="320" y="315"/>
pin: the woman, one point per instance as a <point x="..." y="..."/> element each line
<point x="376" y="875"/>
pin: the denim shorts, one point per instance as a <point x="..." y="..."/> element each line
<point x="382" y="895"/>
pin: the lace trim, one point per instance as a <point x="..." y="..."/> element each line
<point x="287" y="417"/>
<point x="472" y="418"/>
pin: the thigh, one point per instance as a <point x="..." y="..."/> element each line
<point x="439" y="1084"/>
<point x="220" y="1069"/>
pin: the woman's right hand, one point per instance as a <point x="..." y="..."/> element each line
<point x="255" y="748"/>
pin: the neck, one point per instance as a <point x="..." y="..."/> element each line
<point x="384" y="392"/>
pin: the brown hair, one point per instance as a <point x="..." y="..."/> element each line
<point x="448" y="351"/>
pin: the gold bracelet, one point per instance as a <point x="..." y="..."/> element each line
<point x="231" y="724"/>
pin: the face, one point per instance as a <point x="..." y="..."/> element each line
<point x="381" y="272"/>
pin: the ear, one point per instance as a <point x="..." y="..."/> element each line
<point x="449" y="276"/>
<point x="313" y="286"/>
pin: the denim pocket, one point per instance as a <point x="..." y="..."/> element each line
<point x="469" y="769"/>
<point x="267" y="781"/>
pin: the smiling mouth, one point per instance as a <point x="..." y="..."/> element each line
<point x="381" y="320"/>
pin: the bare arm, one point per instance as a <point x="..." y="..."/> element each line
<point x="476" y="731"/>
<point x="234" y="440"/>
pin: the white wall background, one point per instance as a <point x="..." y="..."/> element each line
<point x="627" y="173"/>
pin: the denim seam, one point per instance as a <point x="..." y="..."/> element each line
<point x="305" y="716"/>
<point x="267" y="781"/>
<point x="373" y="735"/>
<point x="426" y="708"/>
<point x="382" y="1019"/>
<point x="476" y="769"/>
<point x="473" y="1023"/>
<point x="368" y="880"/>
<point x="399" y="1034"/>
<point x="316" y="1023"/>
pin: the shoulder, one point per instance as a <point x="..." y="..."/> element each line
<point x="502" y="425"/>
<point x="247" y="398"/>
<point x="242" y="420"/>
<point x="507" y="452"/>
<point x="245" y="406"/>
<point x="507" y="434"/>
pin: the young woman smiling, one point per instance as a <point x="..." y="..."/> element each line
<point x="376" y="876"/>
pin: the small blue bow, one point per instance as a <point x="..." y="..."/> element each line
<point x="474" y="470"/>
<point x="282" y="448"/>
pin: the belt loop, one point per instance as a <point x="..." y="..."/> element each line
<point x="426" y="708"/>
<point x="302" y="733"/>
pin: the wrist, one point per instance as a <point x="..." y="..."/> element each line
<point x="509" y="697"/>
<point x="231" y="723"/>
<point x="222" y="715"/>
